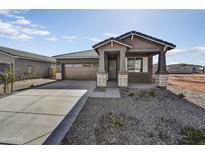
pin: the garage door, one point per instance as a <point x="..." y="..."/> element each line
<point x="80" y="71"/>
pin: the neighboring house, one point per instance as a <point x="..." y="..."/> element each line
<point x="25" y="64"/>
<point x="127" y="59"/>
<point x="184" y="69"/>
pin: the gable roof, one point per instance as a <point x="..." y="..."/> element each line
<point x="26" y="55"/>
<point x="151" y="38"/>
<point x="79" y="54"/>
<point x="110" y="40"/>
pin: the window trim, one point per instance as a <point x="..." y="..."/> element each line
<point x="136" y="58"/>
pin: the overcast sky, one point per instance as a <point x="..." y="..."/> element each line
<point x="52" y="32"/>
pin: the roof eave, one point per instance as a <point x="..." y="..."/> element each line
<point x="156" y="40"/>
<point x="108" y="41"/>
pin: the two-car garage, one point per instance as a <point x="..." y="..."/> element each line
<point x="81" y="65"/>
<point x="80" y="71"/>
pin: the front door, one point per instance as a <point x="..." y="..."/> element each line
<point x="112" y="69"/>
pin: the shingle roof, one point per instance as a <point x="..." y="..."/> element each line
<point x="26" y="55"/>
<point x="136" y="33"/>
<point x="80" y="54"/>
<point x="147" y="36"/>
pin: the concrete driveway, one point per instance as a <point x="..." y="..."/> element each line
<point x="31" y="116"/>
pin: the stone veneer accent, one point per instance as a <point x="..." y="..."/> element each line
<point x="161" y="80"/>
<point x="58" y="76"/>
<point x="123" y="79"/>
<point x="102" y="79"/>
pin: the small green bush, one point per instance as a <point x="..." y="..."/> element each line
<point x="116" y="122"/>
<point x="131" y="94"/>
<point x="152" y="93"/>
<point x="193" y="136"/>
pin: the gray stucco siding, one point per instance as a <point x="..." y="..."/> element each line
<point x="6" y="59"/>
<point x="38" y="68"/>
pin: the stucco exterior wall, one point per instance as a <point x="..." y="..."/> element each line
<point x="38" y="69"/>
<point x="6" y="59"/>
<point x="108" y="47"/>
<point x="140" y="43"/>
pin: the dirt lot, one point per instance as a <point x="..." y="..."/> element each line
<point x="152" y="116"/>
<point x="189" y="81"/>
<point x="193" y="96"/>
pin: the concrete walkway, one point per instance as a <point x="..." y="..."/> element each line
<point x="30" y="116"/>
<point x="105" y="92"/>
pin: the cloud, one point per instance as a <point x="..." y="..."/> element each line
<point x="20" y="28"/>
<point x="193" y="51"/>
<point x="52" y="39"/>
<point x="109" y="34"/>
<point x="33" y="31"/>
<point x="20" y="32"/>
<point x="11" y="13"/>
<point x="22" y="21"/>
<point x="72" y="37"/>
<point x="7" y="28"/>
<point x="22" y="37"/>
<point x="95" y="40"/>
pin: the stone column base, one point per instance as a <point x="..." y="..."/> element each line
<point x="161" y="80"/>
<point x="102" y="79"/>
<point x="58" y="76"/>
<point x="123" y="79"/>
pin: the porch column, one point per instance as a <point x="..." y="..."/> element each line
<point x="122" y="74"/>
<point x="122" y="61"/>
<point x="102" y="76"/>
<point x="102" y="61"/>
<point x="162" y="74"/>
<point x="162" y="63"/>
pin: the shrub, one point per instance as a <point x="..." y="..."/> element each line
<point x="131" y="94"/>
<point x="152" y="93"/>
<point x="193" y="136"/>
<point x="116" y="122"/>
<point x="7" y="78"/>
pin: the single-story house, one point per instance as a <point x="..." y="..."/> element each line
<point x="184" y="69"/>
<point x="25" y="64"/>
<point x="126" y="59"/>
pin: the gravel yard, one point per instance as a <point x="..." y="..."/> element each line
<point x="196" y="97"/>
<point x="18" y="85"/>
<point x="139" y="117"/>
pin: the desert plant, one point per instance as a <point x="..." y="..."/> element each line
<point x="152" y="93"/>
<point x="193" y="136"/>
<point x="7" y="78"/>
<point x="116" y="122"/>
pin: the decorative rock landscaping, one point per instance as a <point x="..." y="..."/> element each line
<point x="151" y="116"/>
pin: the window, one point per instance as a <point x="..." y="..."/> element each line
<point x="134" y="64"/>
<point x="72" y="65"/>
<point x="68" y="65"/>
<point x="77" y="65"/>
<point x="86" y="65"/>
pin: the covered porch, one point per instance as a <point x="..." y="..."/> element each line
<point x="128" y="58"/>
<point x="126" y="69"/>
